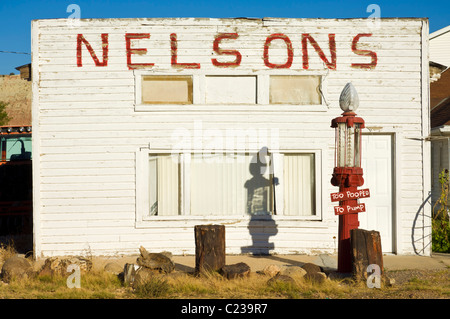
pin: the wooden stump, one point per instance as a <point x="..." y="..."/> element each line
<point x="209" y="247"/>
<point x="366" y="250"/>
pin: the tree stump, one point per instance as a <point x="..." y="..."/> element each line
<point x="366" y="250"/>
<point x="209" y="247"/>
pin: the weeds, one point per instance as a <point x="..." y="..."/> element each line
<point x="100" y="284"/>
<point x="155" y="287"/>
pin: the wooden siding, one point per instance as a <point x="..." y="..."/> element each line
<point x="87" y="132"/>
<point x="440" y="46"/>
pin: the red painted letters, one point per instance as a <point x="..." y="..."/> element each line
<point x="330" y="61"/>
<point x="220" y="51"/>
<point x="81" y="39"/>
<point x="174" y="52"/>
<point x="372" y="54"/>
<point x="290" y="51"/>
<point x="332" y="45"/>
<point x="131" y="51"/>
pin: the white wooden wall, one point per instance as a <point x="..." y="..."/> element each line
<point x="87" y="132"/>
<point x="440" y="46"/>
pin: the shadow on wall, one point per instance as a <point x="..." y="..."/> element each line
<point x="421" y="231"/>
<point x="260" y="205"/>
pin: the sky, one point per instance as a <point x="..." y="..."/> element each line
<point x="16" y="15"/>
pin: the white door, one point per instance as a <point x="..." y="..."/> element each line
<point x="377" y="170"/>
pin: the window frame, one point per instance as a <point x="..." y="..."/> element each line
<point x="143" y="218"/>
<point x="262" y="92"/>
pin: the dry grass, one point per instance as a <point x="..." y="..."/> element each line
<point x="99" y="284"/>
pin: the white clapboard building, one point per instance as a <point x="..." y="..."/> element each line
<point x="144" y="128"/>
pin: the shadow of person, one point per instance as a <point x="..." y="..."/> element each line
<point x="259" y="206"/>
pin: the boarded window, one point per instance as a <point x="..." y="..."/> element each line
<point x="167" y="90"/>
<point x="295" y="89"/>
<point x="230" y="89"/>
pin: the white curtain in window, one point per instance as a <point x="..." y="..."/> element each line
<point x="229" y="184"/>
<point x="299" y="184"/>
<point x="164" y="185"/>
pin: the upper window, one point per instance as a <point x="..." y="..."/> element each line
<point x="295" y="89"/>
<point x="230" y="90"/>
<point x="217" y="92"/>
<point x="167" y="90"/>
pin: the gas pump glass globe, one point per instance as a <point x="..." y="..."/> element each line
<point x="349" y="100"/>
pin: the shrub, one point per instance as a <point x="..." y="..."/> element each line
<point x="440" y="223"/>
<point x="4" y="118"/>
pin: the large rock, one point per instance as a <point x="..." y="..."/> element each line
<point x="316" y="277"/>
<point x="293" y="272"/>
<point x="312" y="268"/>
<point x="113" y="268"/>
<point x="155" y="261"/>
<point x="58" y="265"/>
<point x="238" y="270"/>
<point x="271" y="270"/>
<point x="16" y="267"/>
<point x="281" y="278"/>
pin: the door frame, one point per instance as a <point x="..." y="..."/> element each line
<point x="396" y="226"/>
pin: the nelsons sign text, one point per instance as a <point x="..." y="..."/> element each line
<point x="224" y="58"/>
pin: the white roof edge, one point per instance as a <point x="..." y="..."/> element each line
<point x="440" y="32"/>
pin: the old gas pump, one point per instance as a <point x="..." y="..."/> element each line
<point x="347" y="173"/>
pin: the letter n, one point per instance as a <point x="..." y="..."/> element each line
<point x="81" y="39"/>
<point x="332" y="45"/>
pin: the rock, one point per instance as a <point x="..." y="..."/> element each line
<point x="271" y="270"/>
<point x="58" y="265"/>
<point x="316" y="277"/>
<point x="113" y="268"/>
<point x="281" y="278"/>
<point x="16" y="267"/>
<point x="155" y="261"/>
<point x="312" y="268"/>
<point x="238" y="270"/>
<point x="293" y="271"/>
<point x="143" y="275"/>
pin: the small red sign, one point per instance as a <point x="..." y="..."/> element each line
<point x="347" y="209"/>
<point x="346" y="195"/>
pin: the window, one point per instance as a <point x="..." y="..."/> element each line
<point x="15" y="148"/>
<point x="299" y="184"/>
<point x="164" y="183"/>
<point x="230" y="90"/>
<point x="249" y="91"/>
<point x="295" y="89"/>
<point x="230" y="184"/>
<point x="167" y="90"/>
<point x="227" y="184"/>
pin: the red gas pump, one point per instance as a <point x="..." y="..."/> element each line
<point x="347" y="174"/>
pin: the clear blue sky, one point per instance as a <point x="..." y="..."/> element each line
<point x="16" y="15"/>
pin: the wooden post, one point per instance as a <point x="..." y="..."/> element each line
<point x="209" y="247"/>
<point x="366" y="250"/>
